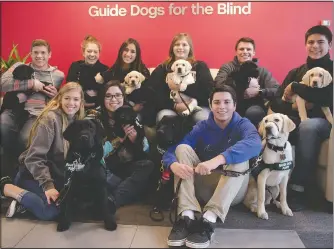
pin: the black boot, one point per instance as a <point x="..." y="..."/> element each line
<point x="3" y="181"/>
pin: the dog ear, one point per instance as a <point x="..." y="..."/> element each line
<point x="141" y="77"/>
<point x="261" y="129"/>
<point x="100" y="132"/>
<point x="70" y="131"/>
<point x="288" y="124"/>
<point x="126" y="79"/>
<point x="188" y="66"/>
<point x="327" y="78"/>
<point x="173" y="66"/>
<point x="306" y="78"/>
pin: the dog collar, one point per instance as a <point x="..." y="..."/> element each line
<point x="77" y="165"/>
<point x="276" y="148"/>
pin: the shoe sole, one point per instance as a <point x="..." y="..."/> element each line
<point x="191" y="244"/>
<point x="176" y="242"/>
<point x="11" y="209"/>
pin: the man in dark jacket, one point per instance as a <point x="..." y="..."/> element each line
<point x="267" y="84"/>
<point x="312" y="132"/>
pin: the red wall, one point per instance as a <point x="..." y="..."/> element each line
<point x="277" y="27"/>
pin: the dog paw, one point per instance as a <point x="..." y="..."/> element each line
<point x="262" y="215"/>
<point x="186" y="113"/>
<point x="61" y="227"/>
<point x="287" y="211"/>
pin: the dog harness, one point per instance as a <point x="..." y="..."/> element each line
<point x="75" y="166"/>
<point x="274" y="166"/>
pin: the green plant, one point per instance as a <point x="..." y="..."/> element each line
<point x="12" y="59"/>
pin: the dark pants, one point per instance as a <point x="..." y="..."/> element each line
<point x="127" y="184"/>
<point x="308" y="137"/>
<point x="15" y="130"/>
<point x="34" y="199"/>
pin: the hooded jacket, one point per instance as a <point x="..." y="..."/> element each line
<point x="34" y="102"/>
<point x="238" y="142"/>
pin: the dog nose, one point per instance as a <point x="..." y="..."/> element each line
<point x="315" y="83"/>
<point x="268" y="129"/>
<point x="84" y="137"/>
<point x="179" y="70"/>
<point x="132" y="81"/>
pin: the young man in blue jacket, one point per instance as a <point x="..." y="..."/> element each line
<point x="224" y="138"/>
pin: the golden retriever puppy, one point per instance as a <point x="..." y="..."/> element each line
<point x="132" y="81"/>
<point x="315" y="77"/>
<point x="273" y="172"/>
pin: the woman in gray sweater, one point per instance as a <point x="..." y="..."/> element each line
<point x="41" y="171"/>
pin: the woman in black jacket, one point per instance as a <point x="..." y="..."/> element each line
<point x="84" y="71"/>
<point x="181" y="48"/>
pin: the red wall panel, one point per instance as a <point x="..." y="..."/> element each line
<point x="277" y="27"/>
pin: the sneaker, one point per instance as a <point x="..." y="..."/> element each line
<point x="15" y="208"/>
<point x="200" y="234"/>
<point x="180" y="231"/>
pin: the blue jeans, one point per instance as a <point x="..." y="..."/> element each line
<point x="255" y="114"/>
<point x="34" y="199"/>
<point x="15" y="130"/>
<point x="128" y="184"/>
<point x="309" y="136"/>
<point x="196" y="115"/>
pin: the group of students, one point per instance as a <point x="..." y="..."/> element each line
<point x="33" y="130"/>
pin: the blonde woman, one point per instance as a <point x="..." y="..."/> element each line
<point x="42" y="165"/>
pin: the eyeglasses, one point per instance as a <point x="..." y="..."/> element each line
<point x="116" y="96"/>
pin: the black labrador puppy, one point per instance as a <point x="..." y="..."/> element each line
<point x="247" y="70"/>
<point x="125" y="115"/>
<point x="171" y="130"/>
<point x="85" y="174"/>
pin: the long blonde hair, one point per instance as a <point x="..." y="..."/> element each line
<point x="54" y="104"/>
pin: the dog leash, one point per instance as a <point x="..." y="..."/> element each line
<point x="76" y="165"/>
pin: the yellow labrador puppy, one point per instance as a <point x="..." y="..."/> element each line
<point x="275" y="169"/>
<point x="315" y="77"/>
<point x="182" y="74"/>
<point x="132" y="81"/>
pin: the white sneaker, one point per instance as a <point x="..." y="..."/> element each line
<point x="15" y="208"/>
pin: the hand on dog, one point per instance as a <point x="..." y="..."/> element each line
<point x="171" y="83"/>
<point x="183" y="171"/>
<point x="288" y="93"/>
<point x="251" y="92"/>
<point x="50" y="91"/>
<point x="51" y="194"/>
<point x="180" y="107"/>
<point x="37" y="85"/>
<point x="130" y="132"/>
